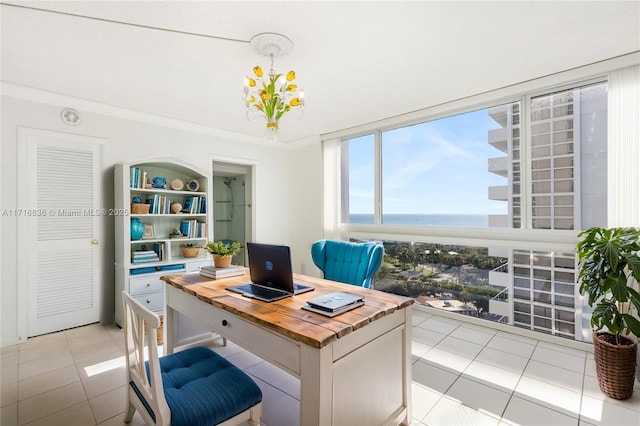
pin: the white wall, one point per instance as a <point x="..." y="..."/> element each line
<point x="286" y="203"/>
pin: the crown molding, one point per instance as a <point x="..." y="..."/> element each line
<point x="84" y="105"/>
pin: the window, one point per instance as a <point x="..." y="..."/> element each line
<point x="537" y="164"/>
<point x="465" y="170"/>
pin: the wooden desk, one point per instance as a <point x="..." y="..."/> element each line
<point x="354" y="369"/>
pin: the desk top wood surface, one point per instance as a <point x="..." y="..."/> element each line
<point x="286" y="316"/>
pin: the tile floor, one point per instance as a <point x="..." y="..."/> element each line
<point x="463" y="374"/>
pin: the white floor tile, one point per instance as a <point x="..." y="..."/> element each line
<point x="9" y="414"/>
<point x="551" y="396"/>
<point x="446" y="360"/>
<point x="498" y="358"/>
<point x="480" y="397"/>
<point x="418" y="349"/>
<point x="424" y="400"/>
<point x="109" y="404"/>
<point x="554" y="375"/>
<point x="511" y="345"/>
<point x="460" y="347"/>
<point x="79" y="414"/>
<point x="48" y="381"/>
<point x="432" y="377"/>
<point x="428" y="337"/>
<point x="39" y="366"/>
<point x="278" y="408"/>
<point x="440" y="325"/>
<point x="606" y="412"/>
<point x="560" y="358"/>
<point x="521" y="412"/>
<point x="51" y="402"/>
<point x="491" y="375"/>
<point x="276" y="377"/>
<point x="448" y="412"/>
<point x="473" y="333"/>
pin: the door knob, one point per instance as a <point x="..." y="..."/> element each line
<point x="94" y="242"/>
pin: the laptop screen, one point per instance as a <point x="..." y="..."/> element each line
<point x="270" y="265"/>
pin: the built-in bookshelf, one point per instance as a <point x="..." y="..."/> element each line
<point x="170" y="200"/>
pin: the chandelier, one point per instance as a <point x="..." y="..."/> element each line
<point x="273" y="95"/>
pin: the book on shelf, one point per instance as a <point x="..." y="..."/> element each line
<point x="159" y="204"/>
<point x="141" y="256"/>
<point x="195" y="205"/>
<point x="160" y="250"/>
<point x="213" y="272"/>
<point x="193" y="229"/>
<point x="137" y="178"/>
<point x="145" y="259"/>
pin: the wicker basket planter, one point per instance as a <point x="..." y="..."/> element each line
<point x="615" y="364"/>
<point x="190" y="251"/>
<point x="222" y="261"/>
<point x="140" y="208"/>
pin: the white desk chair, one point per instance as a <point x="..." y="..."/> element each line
<point x="193" y="387"/>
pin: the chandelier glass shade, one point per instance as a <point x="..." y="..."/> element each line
<point x="271" y="95"/>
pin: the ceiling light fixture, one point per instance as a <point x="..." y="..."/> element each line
<point x="271" y="96"/>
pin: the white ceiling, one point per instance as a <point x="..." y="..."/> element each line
<point x="358" y="62"/>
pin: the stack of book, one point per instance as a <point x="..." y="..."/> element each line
<point x="215" y="273"/>
<point x="141" y="256"/>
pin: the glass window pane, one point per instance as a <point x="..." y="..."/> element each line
<point x="358" y="178"/>
<point x="553" y="120"/>
<point x="427" y="168"/>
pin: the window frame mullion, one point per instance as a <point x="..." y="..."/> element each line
<point x="377" y="217"/>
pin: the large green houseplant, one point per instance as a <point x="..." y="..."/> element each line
<point x="609" y="269"/>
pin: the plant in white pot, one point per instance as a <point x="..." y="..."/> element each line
<point x="609" y="271"/>
<point x="223" y="252"/>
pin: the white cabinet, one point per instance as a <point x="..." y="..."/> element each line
<point x="177" y="195"/>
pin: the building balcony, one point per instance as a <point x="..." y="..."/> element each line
<point x="500" y="114"/>
<point x="498" y="166"/>
<point x="498" y="193"/>
<point x="498" y="139"/>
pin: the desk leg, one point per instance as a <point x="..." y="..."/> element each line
<point x="170" y="333"/>
<point x="407" y="367"/>
<point x="316" y="386"/>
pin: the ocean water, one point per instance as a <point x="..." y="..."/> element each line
<point x="470" y="220"/>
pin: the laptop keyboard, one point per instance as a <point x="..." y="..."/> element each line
<point x="267" y="293"/>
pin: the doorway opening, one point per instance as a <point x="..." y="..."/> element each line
<point x="232" y="214"/>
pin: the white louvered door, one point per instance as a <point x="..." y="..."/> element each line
<point x="61" y="230"/>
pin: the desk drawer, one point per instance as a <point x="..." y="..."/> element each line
<point x="145" y="285"/>
<point x="268" y="345"/>
<point x="195" y="266"/>
<point x="152" y="301"/>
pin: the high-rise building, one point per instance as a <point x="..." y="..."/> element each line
<point x="565" y="190"/>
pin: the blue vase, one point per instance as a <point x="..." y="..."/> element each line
<point x="137" y="229"/>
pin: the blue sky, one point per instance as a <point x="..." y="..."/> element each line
<point x="438" y="167"/>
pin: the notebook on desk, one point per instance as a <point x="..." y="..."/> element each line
<point x="271" y="274"/>
<point x="333" y="304"/>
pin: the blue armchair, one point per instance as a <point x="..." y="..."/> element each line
<point x="351" y="263"/>
<point x="193" y="387"/>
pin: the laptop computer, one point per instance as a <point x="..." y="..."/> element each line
<point x="271" y="274"/>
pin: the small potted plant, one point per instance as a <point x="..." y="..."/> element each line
<point x="609" y="269"/>
<point x="190" y="249"/>
<point x="223" y="252"/>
